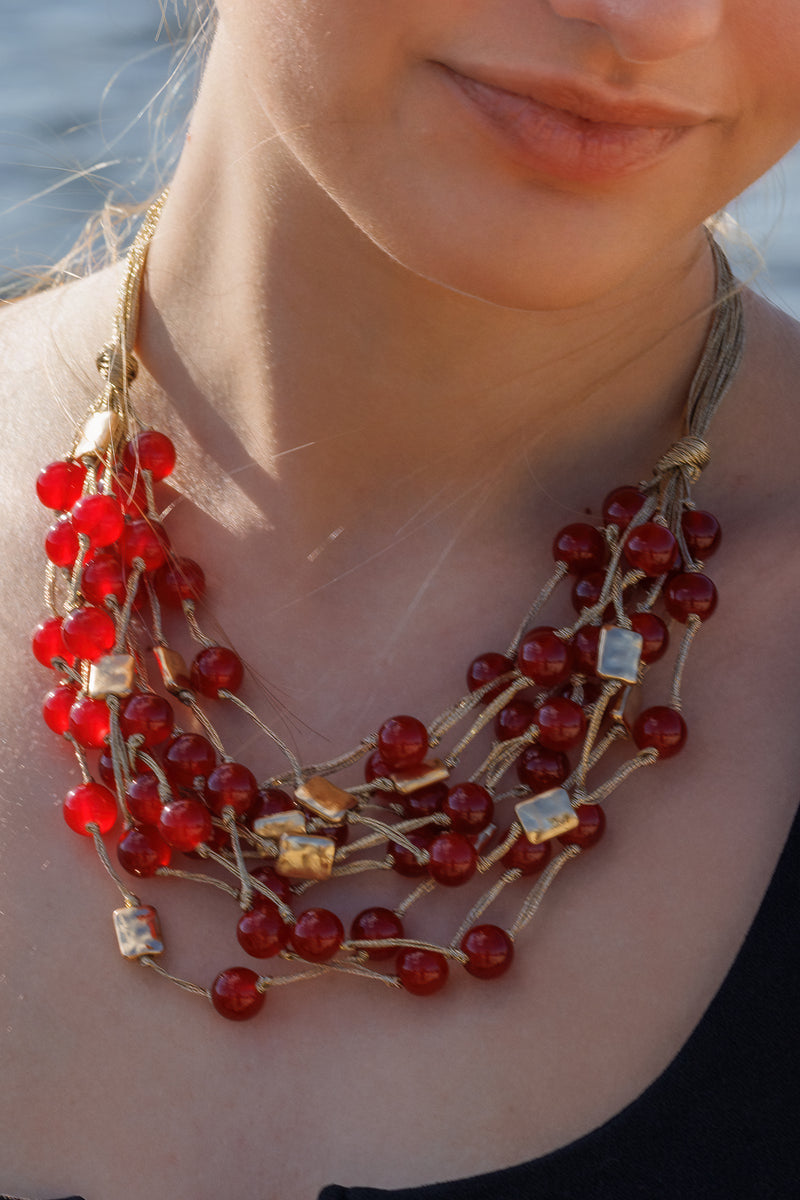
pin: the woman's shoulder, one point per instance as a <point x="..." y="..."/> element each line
<point x="772" y="342"/>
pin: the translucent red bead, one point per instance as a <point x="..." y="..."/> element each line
<point x="48" y="642"/>
<point x="621" y="506"/>
<point x="561" y="723"/>
<point x="90" y="804"/>
<point x="189" y="756"/>
<point x="143" y="799"/>
<point x="178" y="580"/>
<point x="61" y="543"/>
<point x="147" y="716"/>
<point x="60" y="484"/>
<point x="422" y="972"/>
<point x="544" y="657"/>
<point x="236" y="995"/>
<point x="654" y="633"/>
<point x="100" y="518"/>
<point x="231" y="785"/>
<point x="689" y="594"/>
<point x="528" y="857"/>
<point x="145" y="541"/>
<point x="102" y="576"/>
<point x="590" y="828"/>
<point x="217" y="669"/>
<point x="88" y="632"/>
<point x="142" y="850"/>
<point x="514" y="719"/>
<point x="484" y="669"/>
<point x="402" y="742"/>
<point x="262" y="932"/>
<point x="317" y="934"/>
<point x="651" y="548"/>
<point x="662" y="728"/>
<point x="489" y="951"/>
<point x="56" y="707"/>
<point x="453" y="859"/>
<point x="185" y="824"/>
<point x="541" y="768"/>
<point x="581" y="547"/>
<point x="375" y="925"/>
<point x="469" y="807"/>
<point x="702" y="532"/>
<point x="89" y="722"/>
<point x="150" y="451"/>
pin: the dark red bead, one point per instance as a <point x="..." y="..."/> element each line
<point x="587" y="589"/>
<point x="561" y="723"/>
<point x="141" y="851"/>
<point x="654" y="633"/>
<point x="581" y="547"/>
<point x="403" y="861"/>
<point x="189" y="756"/>
<point x="544" y="657"/>
<point x="541" y="769"/>
<point x="60" y="484"/>
<point x="422" y="972"/>
<point x="590" y="828"/>
<point x="690" y="594"/>
<point x="231" y="785"/>
<point x="651" y="548"/>
<point x="484" y="669"/>
<point x="146" y="541"/>
<point x="453" y="859"/>
<point x="262" y="933"/>
<point x="267" y="802"/>
<point x="61" y="543"/>
<point x="148" y="716"/>
<point x="130" y="491"/>
<point x="102" y="576"/>
<point x="48" y="642"/>
<point x="143" y="799"/>
<point x="489" y="951"/>
<point x="586" y="643"/>
<point x="317" y="935"/>
<point x="100" y="518"/>
<point x="178" y="580"/>
<point x="149" y="451"/>
<point x="662" y="728"/>
<point x="56" y="707"/>
<point x="377" y="924"/>
<point x="185" y="824"/>
<point x="89" y="722"/>
<point x="621" y="506"/>
<point x="89" y="632"/>
<point x="90" y="804"/>
<point x="469" y="807"/>
<point x="402" y="742"/>
<point x="217" y="669"/>
<point x="105" y="768"/>
<point x="235" y="994"/>
<point x="514" y="720"/>
<point x="702" y="532"/>
<point x="527" y="857"/>
<point x="425" y="802"/>
<point x="375" y="767"/>
<point x="276" y="883"/>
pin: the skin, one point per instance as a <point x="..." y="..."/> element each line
<point x="395" y="363"/>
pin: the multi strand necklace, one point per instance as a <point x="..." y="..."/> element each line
<point x="540" y="715"/>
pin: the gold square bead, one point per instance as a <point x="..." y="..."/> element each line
<point x="324" y="799"/>
<point x="112" y="675"/>
<point x="276" y="824"/>
<point x="174" y="671"/>
<point x="101" y="431"/>
<point x="546" y="816"/>
<point x="138" y="931"/>
<point x="619" y="654"/>
<point x="305" y="857"/>
<point x="412" y="779"/>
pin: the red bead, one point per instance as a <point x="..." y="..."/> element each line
<point x="621" y="506"/>
<point x="143" y="799"/>
<point x="178" y="580"/>
<point x="469" y="807"/>
<point x="425" y="802"/>
<point x="651" y="548"/>
<point x="581" y="547"/>
<point x="61" y="543"/>
<point x="267" y="802"/>
<point x="89" y="722"/>
<point x="587" y="589"/>
<point x="150" y="451"/>
<point x="89" y="632"/>
<point x="484" y="669"/>
<point x="662" y="728"/>
<point x="317" y="935"/>
<point x="590" y="828"/>
<point x="56" y="707"/>
<point x="402" y="742"/>
<point x="130" y="491"/>
<point x="235" y="994"/>
<point x="262" y="932"/>
<point x="514" y="720"/>
<point x="48" y="642"/>
<point x="217" y="669"/>
<point x="377" y="924"/>
<point x="90" y="804"/>
<point x="185" y="824"/>
<point x="148" y="716"/>
<point x="586" y="643"/>
<point x="60" y="484"/>
<point x="147" y="541"/>
<point x="541" y="769"/>
<point x="100" y="518"/>
<point x="690" y="594"/>
<point x="544" y="657"/>
<point x="654" y="633"/>
<point x="403" y="861"/>
<point x="527" y="857"/>
<point x="231" y="785"/>
<point x="276" y="883"/>
<point x="702" y="532"/>
<point x="102" y="576"/>
<point x="142" y="851"/>
<point x="375" y="767"/>
<point x="422" y="972"/>
<point x="561" y="723"/>
<point x="105" y="768"/>
<point x="189" y="756"/>
<point x="489" y="951"/>
<point x="453" y="859"/>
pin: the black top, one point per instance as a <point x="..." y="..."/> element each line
<point x="722" y="1121"/>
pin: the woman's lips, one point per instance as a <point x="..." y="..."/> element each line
<point x="564" y="132"/>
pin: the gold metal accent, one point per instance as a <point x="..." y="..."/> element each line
<point x="625" y="707"/>
<point x="101" y="431"/>
<point x="174" y="671"/>
<point x="306" y="857"/>
<point x="412" y="779"/>
<point x="113" y="675"/>
<point x="481" y="840"/>
<point x="619" y="654"/>
<point x="546" y="816"/>
<point x="276" y="824"/>
<point x="324" y="799"/>
<point x="138" y="931"/>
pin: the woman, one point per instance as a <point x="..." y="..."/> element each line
<point x="430" y="281"/>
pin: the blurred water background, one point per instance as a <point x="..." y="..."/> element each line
<point x="78" y="118"/>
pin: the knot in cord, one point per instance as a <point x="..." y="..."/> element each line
<point x="691" y="455"/>
<point x="118" y="368"/>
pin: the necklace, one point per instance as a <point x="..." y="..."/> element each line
<point x="544" y="712"/>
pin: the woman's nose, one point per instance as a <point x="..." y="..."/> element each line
<point x="648" y="30"/>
